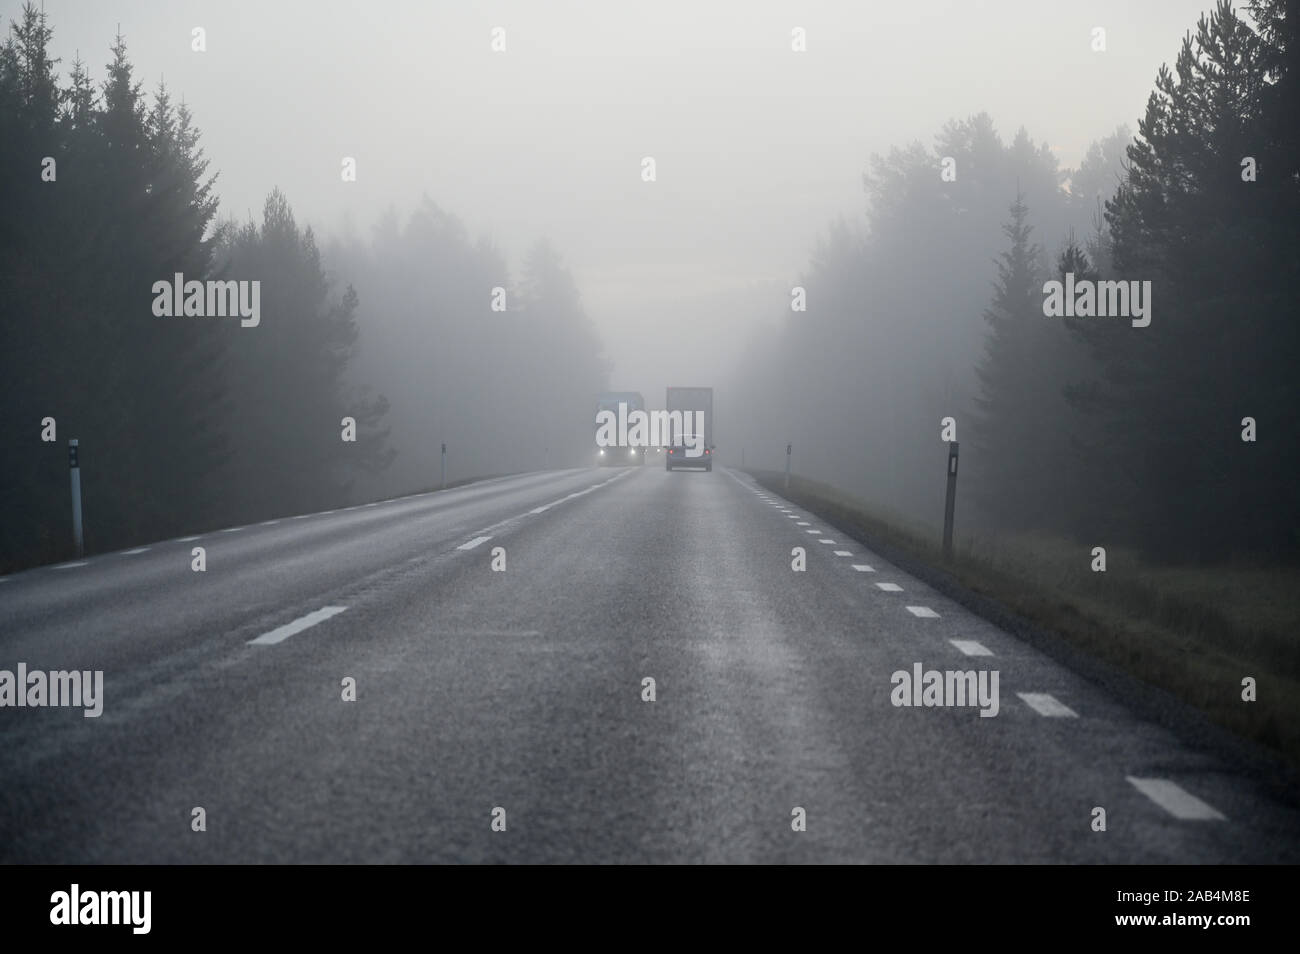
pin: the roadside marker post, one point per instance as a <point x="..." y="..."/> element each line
<point x="74" y="468"/>
<point x="951" y="500"/>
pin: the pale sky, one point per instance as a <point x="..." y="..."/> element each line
<point x="757" y="147"/>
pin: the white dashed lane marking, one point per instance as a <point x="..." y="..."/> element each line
<point x="1164" y="793"/>
<point x="69" y="566"/>
<point x="188" y="539"/>
<point x="471" y="544"/>
<point x="232" y="529"/>
<point x="1047" y="705"/>
<point x="1175" y="800"/>
<point x="281" y="633"/>
<point x="545" y="507"/>
<point x="135" y="551"/>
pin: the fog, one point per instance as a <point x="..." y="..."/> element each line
<point x="758" y="148"/>
<point x="523" y="167"/>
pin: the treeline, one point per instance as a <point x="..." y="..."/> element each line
<point x="1083" y="427"/>
<point x="189" y="423"/>
<point x="505" y="373"/>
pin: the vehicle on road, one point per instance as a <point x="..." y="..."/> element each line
<point x="679" y="453"/>
<point x="693" y="445"/>
<point x="615" y="456"/>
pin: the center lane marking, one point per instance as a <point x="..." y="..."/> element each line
<point x="1045" y="704"/>
<point x="1175" y="800"/>
<point x="281" y="633"/>
<point x="471" y="544"/>
<point x="545" y="507"/>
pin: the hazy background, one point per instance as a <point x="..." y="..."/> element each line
<point x="757" y="147"/>
<point x="774" y="168"/>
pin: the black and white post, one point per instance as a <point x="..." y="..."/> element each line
<point x="951" y="501"/>
<point x="74" y="468"/>
<point x="788" y="449"/>
<point x="442" y="480"/>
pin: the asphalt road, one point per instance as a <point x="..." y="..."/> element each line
<point x="522" y="690"/>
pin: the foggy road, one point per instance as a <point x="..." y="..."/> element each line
<point x="523" y="689"/>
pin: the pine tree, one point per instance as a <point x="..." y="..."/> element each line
<point x="29" y="469"/>
<point x="288" y="392"/>
<point x="1220" y="252"/>
<point x="80" y="343"/>
<point x="1006" y="443"/>
<point x="553" y="320"/>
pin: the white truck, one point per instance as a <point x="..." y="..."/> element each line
<point x="697" y="430"/>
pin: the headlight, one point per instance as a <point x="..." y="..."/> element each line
<point x="632" y="452"/>
<point x="602" y="452"/>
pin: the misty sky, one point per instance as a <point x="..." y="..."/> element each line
<point x="757" y="147"/>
